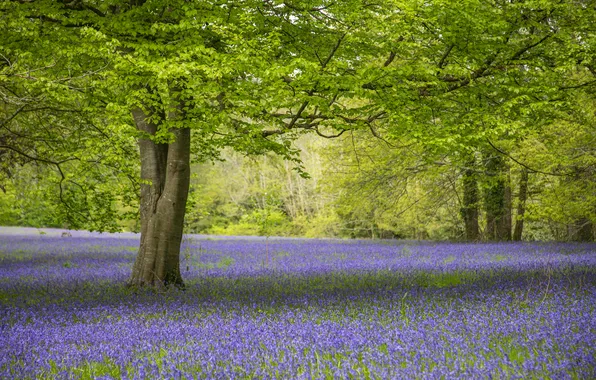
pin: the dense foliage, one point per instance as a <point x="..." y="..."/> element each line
<point x="367" y="189"/>
<point x="297" y="308"/>
<point x="455" y="119"/>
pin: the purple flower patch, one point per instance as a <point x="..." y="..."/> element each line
<point x="297" y="308"/>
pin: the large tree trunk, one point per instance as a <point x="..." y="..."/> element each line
<point x="521" y="205"/>
<point x="470" y="202"/>
<point x="165" y="175"/>
<point x="498" y="200"/>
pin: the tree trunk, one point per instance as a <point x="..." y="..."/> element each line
<point x="498" y="200"/>
<point x="165" y="173"/>
<point x="521" y="205"/>
<point x="470" y="202"/>
<point x="582" y="230"/>
<point x="506" y="222"/>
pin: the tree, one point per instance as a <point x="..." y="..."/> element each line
<point x="244" y="75"/>
<point x="521" y="205"/>
<point x="470" y="200"/>
<point x="497" y="199"/>
<point x="477" y="75"/>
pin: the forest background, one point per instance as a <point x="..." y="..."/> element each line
<point x="357" y="187"/>
<point x="462" y="121"/>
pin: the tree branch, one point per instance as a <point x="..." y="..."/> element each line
<point x="520" y="52"/>
<point x="390" y="59"/>
<point x="444" y="57"/>
<point x="333" y="51"/>
<point x="524" y="165"/>
<point x="329" y="136"/>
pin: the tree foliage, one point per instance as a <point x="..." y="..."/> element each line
<point x="422" y="93"/>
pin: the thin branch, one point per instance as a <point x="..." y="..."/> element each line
<point x="329" y="136"/>
<point x="577" y="86"/>
<point x="58" y="167"/>
<point x="295" y="118"/>
<point x="520" y="52"/>
<point x="524" y="165"/>
<point x="444" y="57"/>
<point x="4" y="122"/>
<point x="333" y="51"/>
<point x="270" y="132"/>
<point x="390" y="59"/>
<point x="56" y="163"/>
<point x="94" y="10"/>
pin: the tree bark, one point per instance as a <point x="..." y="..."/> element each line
<point x="165" y="175"/>
<point x="506" y="223"/>
<point x="470" y="202"/>
<point x="582" y="230"/>
<point x="521" y="205"/>
<point x="498" y="200"/>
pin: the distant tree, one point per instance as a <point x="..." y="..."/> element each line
<point x="470" y="200"/>
<point x="473" y="78"/>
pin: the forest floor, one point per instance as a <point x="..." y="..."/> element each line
<point x="296" y="308"/>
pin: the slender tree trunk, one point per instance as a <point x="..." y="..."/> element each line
<point x="291" y="207"/>
<point x="493" y="201"/>
<point x="498" y="200"/>
<point x="582" y="229"/>
<point x="470" y="202"/>
<point x="506" y="222"/>
<point x="165" y="172"/>
<point x="521" y="205"/>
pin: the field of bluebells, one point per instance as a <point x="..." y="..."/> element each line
<point x="292" y="308"/>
